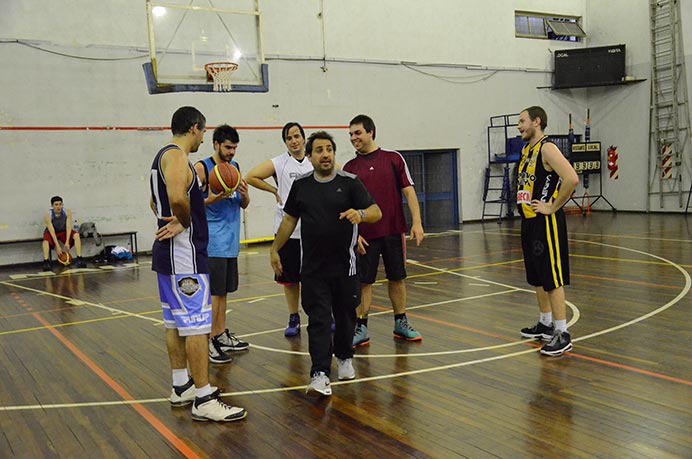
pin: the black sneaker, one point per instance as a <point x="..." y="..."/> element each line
<point x="79" y="263"/>
<point x="47" y="266"/>
<point x="216" y="354"/>
<point x="540" y="331"/>
<point x="558" y="345"/>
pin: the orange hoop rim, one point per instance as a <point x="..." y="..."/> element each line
<point x="217" y="67"/>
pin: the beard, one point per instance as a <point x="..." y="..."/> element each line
<point x="527" y="134"/>
<point x="325" y="170"/>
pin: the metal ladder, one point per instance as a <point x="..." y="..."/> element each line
<point x="669" y="119"/>
<point x="497" y="189"/>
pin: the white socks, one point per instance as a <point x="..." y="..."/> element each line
<point x="180" y="377"/>
<point x="203" y="391"/>
<point x="546" y="318"/>
<point x="561" y="325"/>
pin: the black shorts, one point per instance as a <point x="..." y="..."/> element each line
<point x="393" y="251"/>
<point x="223" y="275"/>
<point x="546" y="258"/>
<point x="290" y="255"/>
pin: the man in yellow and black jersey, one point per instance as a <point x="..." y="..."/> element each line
<point x="546" y="181"/>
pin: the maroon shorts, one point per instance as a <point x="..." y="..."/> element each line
<point x="61" y="237"/>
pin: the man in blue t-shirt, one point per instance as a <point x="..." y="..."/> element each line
<point x="223" y="219"/>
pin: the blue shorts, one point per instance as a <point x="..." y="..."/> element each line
<point x="186" y="303"/>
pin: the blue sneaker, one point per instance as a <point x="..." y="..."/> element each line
<point x="333" y="327"/>
<point x="404" y="330"/>
<point x="361" y="338"/>
<point x="293" y="327"/>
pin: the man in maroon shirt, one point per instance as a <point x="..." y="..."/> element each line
<point x="386" y="176"/>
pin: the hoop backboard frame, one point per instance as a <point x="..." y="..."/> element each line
<point x="221" y="34"/>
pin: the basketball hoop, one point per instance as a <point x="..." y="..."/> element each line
<point x="220" y="73"/>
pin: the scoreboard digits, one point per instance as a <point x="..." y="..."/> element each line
<point x="586" y="157"/>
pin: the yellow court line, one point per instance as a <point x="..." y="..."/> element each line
<point x="122" y="314"/>
<point x="469" y="268"/>
<point x="258" y="297"/>
<point x="624" y="236"/>
<point x="618" y="236"/>
<point x="624" y="260"/>
<point x="68" y="324"/>
<point x="67" y="298"/>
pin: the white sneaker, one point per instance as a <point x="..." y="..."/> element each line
<point x="212" y="408"/>
<point x="229" y="342"/>
<point x="320" y="383"/>
<point x="216" y="354"/>
<point x="345" y="368"/>
<point x="183" y="395"/>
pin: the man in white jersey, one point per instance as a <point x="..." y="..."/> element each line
<point x="284" y="169"/>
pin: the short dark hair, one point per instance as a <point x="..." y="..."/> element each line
<point x="288" y="126"/>
<point x="185" y="118"/>
<point x="318" y="135"/>
<point x="367" y="122"/>
<point x="225" y="132"/>
<point x="55" y="199"/>
<point x="538" y="112"/>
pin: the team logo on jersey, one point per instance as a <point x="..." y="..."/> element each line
<point x="188" y="286"/>
<point x="525" y="179"/>
<point x="524" y="197"/>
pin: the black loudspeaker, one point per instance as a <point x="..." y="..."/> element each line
<point x="578" y="68"/>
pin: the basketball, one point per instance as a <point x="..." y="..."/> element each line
<point x="65" y="258"/>
<point x="224" y="178"/>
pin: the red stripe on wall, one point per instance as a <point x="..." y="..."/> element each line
<point x="145" y="128"/>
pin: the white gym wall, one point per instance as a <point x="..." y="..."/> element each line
<point x="484" y="71"/>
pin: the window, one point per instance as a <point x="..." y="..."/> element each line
<point x="547" y="26"/>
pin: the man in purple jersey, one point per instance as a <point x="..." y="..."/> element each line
<point x="179" y="257"/>
<point x="385" y="175"/>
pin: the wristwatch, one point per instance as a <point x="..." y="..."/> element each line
<point x="362" y="214"/>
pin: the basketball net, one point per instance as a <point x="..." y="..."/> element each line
<point x="220" y="73"/>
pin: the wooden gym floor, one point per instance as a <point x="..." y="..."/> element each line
<point x="84" y="370"/>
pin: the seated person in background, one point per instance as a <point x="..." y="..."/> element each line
<point x="59" y="228"/>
